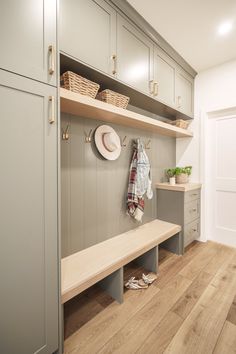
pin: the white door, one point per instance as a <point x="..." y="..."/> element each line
<point x="222" y="134"/>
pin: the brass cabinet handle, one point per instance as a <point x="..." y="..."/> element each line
<point x="194" y="230"/>
<point x="114" y="58"/>
<point x="194" y="194"/>
<point x="151" y="86"/>
<point x="51" y="68"/>
<point x="194" y="209"/>
<point x="52" y="116"/>
<point x="178" y="101"/>
<point x="156" y="88"/>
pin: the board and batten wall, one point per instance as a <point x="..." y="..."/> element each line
<point x="94" y="190"/>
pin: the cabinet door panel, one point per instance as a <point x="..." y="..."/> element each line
<point x="134" y="56"/>
<point x="164" y="75"/>
<point x="87" y="32"/>
<point x="191" y="232"/>
<point x="28" y="218"/>
<point x="184" y="92"/>
<point x="27" y="29"/>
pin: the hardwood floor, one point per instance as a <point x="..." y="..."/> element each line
<point x="191" y="309"/>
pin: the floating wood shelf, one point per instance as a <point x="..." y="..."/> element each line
<point x="84" y="106"/>
<point x="138" y="99"/>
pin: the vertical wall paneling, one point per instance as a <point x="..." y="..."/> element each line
<point x="94" y="190"/>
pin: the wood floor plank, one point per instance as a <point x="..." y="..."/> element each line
<point x="222" y="255"/>
<point x="185" y="304"/>
<point x="162" y="335"/>
<point x="193" y="293"/>
<point x="197" y="265"/>
<point x="164" y="255"/>
<point x="201" y="329"/>
<point x="170" y="269"/>
<point x="75" y="316"/>
<point x="138" y="328"/>
<point x="94" y="334"/>
<point x="231" y="317"/>
<point x="226" y="343"/>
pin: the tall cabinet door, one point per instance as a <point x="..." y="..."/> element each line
<point x="184" y="92"/>
<point x="88" y="32"/>
<point x="28" y="38"/>
<point x="28" y="217"/>
<point x="134" y="56"/>
<point x="164" y="77"/>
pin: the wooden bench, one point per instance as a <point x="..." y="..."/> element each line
<point x="104" y="261"/>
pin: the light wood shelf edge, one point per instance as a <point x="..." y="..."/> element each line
<point x="179" y="187"/>
<point x="88" y="107"/>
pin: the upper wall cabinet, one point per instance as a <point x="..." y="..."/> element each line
<point x="164" y="77"/>
<point x="28" y="38"/>
<point x="88" y="32"/>
<point x="184" y="92"/>
<point x="134" y="56"/>
<point x="93" y="32"/>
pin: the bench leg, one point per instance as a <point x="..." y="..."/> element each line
<point x="174" y="244"/>
<point x="113" y="284"/>
<point x="149" y="260"/>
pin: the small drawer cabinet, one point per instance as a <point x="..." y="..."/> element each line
<point x="180" y="204"/>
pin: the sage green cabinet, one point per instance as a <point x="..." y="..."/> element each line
<point x="28" y="38"/>
<point x="184" y="92"/>
<point x="95" y="33"/>
<point x="134" y="56"/>
<point x="164" y="77"/>
<point x="182" y="208"/>
<point x="88" y="32"/>
<point x="28" y="217"/>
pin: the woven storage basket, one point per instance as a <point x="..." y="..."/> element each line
<point x="114" y="98"/>
<point x="180" y="123"/>
<point x="79" y="84"/>
<point x="182" y="178"/>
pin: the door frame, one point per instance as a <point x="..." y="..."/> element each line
<point x="205" y="151"/>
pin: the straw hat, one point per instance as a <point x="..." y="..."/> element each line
<point x="107" y="142"/>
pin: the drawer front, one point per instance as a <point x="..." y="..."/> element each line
<point x="191" y="232"/>
<point x="191" y="211"/>
<point x="192" y="195"/>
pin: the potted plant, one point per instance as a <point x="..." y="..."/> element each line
<point x="170" y="172"/>
<point x="182" y="174"/>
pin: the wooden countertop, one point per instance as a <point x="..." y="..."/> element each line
<point x="179" y="187"/>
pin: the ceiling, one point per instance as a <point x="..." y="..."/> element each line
<point x="191" y="28"/>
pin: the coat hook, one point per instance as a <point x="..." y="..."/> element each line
<point x="65" y="134"/>
<point x="147" y="145"/>
<point x="88" y="137"/>
<point x="123" y="141"/>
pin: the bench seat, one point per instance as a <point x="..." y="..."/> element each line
<point x="83" y="269"/>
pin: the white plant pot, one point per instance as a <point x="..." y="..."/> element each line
<point x="172" y="181"/>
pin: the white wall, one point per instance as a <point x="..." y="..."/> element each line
<point x="215" y="89"/>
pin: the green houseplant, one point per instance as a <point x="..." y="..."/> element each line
<point x="170" y="172"/>
<point x="182" y="174"/>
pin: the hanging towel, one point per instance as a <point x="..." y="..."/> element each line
<point x="139" y="182"/>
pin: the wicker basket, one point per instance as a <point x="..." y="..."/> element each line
<point x="79" y="84"/>
<point x="180" y="123"/>
<point x="182" y="178"/>
<point x="114" y="98"/>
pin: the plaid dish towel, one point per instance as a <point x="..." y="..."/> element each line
<point x="139" y="182"/>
